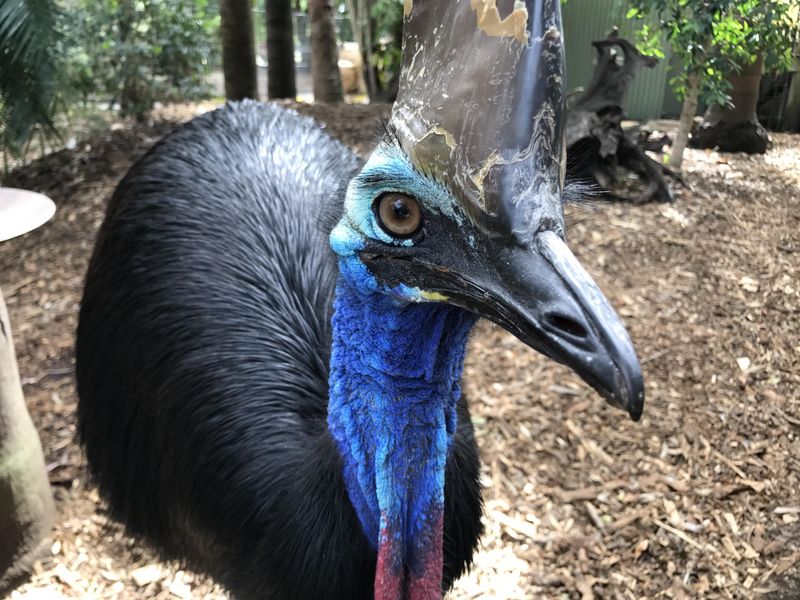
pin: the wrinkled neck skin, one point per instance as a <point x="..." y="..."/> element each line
<point x="394" y="386"/>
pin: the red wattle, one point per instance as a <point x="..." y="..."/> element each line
<point x="395" y="581"/>
<point x="427" y="585"/>
<point x="388" y="578"/>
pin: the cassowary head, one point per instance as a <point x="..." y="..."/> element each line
<point x="461" y="202"/>
<point x="459" y="206"/>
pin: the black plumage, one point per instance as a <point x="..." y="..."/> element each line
<point x="202" y="362"/>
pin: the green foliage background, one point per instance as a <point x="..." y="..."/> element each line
<point x="137" y="52"/>
<point x="28" y="35"/>
<point x="55" y="55"/>
<point x="388" y="15"/>
<point x="712" y="38"/>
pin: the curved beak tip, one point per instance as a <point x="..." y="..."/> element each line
<point x="631" y="397"/>
<point x="634" y="404"/>
<point x="621" y="382"/>
<point x="635" y="409"/>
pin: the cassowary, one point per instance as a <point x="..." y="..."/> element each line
<point x="272" y="332"/>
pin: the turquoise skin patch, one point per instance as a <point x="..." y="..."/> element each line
<point x="387" y="170"/>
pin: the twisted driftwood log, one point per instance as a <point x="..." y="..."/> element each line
<point x="596" y="142"/>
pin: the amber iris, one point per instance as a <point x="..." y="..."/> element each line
<point x="399" y="215"/>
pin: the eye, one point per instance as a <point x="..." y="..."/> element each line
<point x="398" y="215"/>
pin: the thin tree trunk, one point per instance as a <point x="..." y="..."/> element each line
<point x="372" y="79"/>
<point x="324" y="53"/>
<point x="280" y="50"/>
<point x="238" y="49"/>
<point x="687" y="119"/>
<point x="361" y="22"/>
<point x="26" y="504"/>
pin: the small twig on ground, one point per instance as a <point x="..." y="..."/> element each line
<point x="682" y="536"/>
<point x="594" y="516"/>
<point x="729" y="463"/>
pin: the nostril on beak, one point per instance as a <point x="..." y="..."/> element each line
<point x="561" y="324"/>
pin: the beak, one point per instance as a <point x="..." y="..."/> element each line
<point x="545" y="298"/>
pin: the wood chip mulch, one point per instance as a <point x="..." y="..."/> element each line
<point x="701" y="499"/>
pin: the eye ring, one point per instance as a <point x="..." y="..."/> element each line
<point x="399" y="215"/>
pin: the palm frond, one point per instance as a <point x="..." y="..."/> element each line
<point x="27" y="69"/>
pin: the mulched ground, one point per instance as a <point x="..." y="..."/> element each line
<point x="701" y="499"/>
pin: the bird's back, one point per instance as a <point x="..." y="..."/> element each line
<point x="205" y="317"/>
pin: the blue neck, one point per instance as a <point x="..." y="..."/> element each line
<point x="394" y="386"/>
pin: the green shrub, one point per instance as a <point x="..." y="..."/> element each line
<point x="27" y="67"/>
<point x="137" y="52"/>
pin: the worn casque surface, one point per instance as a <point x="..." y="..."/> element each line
<point x="699" y="499"/>
<point x="509" y="177"/>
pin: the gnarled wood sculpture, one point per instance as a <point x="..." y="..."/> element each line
<point x="596" y="142"/>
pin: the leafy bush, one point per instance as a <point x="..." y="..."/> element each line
<point x="137" y="52"/>
<point x="27" y="67"/>
<point x="771" y="29"/>
<point x="716" y="37"/>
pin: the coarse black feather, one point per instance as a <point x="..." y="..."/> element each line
<point x="202" y="362"/>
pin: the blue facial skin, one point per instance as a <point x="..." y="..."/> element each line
<point x="396" y="364"/>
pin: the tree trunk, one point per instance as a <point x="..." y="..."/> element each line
<point x="238" y="50"/>
<point x="362" y="24"/>
<point x="367" y="52"/>
<point x="736" y="128"/>
<point x="280" y="50"/>
<point x="687" y="119"/>
<point x="324" y="53"/>
<point x="26" y="505"/>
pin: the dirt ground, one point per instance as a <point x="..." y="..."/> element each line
<point x="701" y="499"/>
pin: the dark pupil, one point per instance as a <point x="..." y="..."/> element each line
<point x="400" y="209"/>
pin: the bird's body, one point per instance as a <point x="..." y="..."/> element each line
<point x="203" y="362"/>
<point x="272" y="333"/>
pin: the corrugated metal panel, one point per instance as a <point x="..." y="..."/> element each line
<point x="584" y="22"/>
<point x="589" y="20"/>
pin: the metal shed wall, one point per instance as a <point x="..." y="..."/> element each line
<point x="589" y="20"/>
